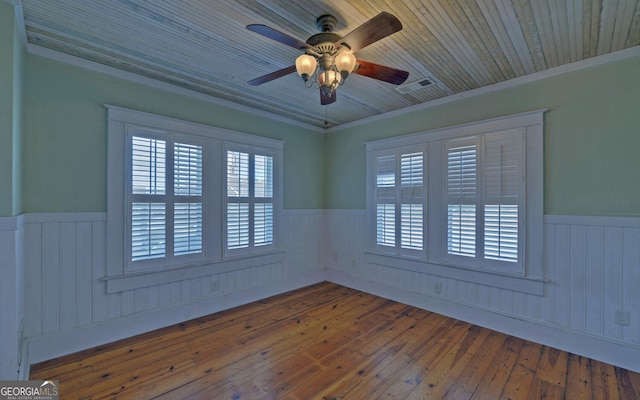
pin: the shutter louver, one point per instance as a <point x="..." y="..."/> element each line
<point x="187" y="170"/>
<point x="386" y="224"/>
<point x="148" y="166"/>
<point x="237" y="174"/>
<point x="147" y="230"/>
<point x="461" y="200"/>
<point x="263" y="176"/>
<point x="411" y="231"/>
<point x="263" y="225"/>
<point x="187" y="228"/>
<point x="237" y="225"/>
<point x="501" y="192"/>
<point x="411" y="199"/>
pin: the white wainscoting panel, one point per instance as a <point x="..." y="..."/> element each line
<point x="69" y="308"/>
<point x="10" y="295"/>
<point x="592" y="267"/>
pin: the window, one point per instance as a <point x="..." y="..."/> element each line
<point x="249" y="200"/>
<point x="185" y="196"/>
<point x="484" y="193"/>
<point x="480" y="220"/>
<point x="164" y="199"/>
<point x="400" y="201"/>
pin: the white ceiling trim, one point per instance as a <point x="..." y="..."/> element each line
<point x="107" y="70"/>
<point x="537" y="76"/>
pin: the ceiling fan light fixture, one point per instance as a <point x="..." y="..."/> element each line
<point x="306" y="66"/>
<point x="329" y="58"/>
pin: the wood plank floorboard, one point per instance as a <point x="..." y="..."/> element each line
<point x="329" y="342"/>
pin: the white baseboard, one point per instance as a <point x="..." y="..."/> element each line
<point x="618" y="354"/>
<point x="47" y="347"/>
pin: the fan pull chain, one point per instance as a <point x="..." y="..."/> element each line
<point x="326" y="121"/>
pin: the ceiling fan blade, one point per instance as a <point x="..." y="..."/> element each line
<point x="381" y="72"/>
<point x="324" y="100"/>
<point x="278" y="36"/>
<point x="378" y="27"/>
<point x="271" y="76"/>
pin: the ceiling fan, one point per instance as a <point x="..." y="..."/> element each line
<point x="328" y="57"/>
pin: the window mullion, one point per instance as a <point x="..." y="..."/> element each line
<point x="170" y="200"/>
<point x="252" y="198"/>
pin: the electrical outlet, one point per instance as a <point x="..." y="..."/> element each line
<point x="437" y="287"/>
<point x="621" y="317"/>
<point x="214" y="285"/>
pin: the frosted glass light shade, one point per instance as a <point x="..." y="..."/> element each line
<point x="345" y="61"/>
<point x="306" y="65"/>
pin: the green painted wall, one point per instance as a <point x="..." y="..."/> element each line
<point x="592" y="131"/>
<point x="7" y="43"/>
<point x="19" y="53"/>
<point x="65" y="137"/>
<point x="591" y="135"/>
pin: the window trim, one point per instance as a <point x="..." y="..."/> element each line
<point x="532" y="278"/>
<point x="479" y="260"/>
<point x="119" y="120"/>
<point x="276" y="201"/>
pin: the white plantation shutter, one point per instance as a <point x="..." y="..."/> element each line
<point x="249" y="200"/>
<point x="465" y="200"/>
<point x="400" y="197"/>
<point x="502" y="194"/>
<point x="386" y="224"/>
<point x="176" y="199"/>
<point x="237" y="225"/>
<point x="461" y="199"/>
<point x="166" y="212"/>
<point x="187" y="173"/>
<point x="148" y="207"/>
<point x="187" y="183"/>
<point x="187" y="228"/>
<point x="148" y="166"/>
<point x="263" y="208"/>
<point x="263" y="225"/>
<point x="263" y="176"/>
<point x="386" y="200"/>
<point x="148" y="227"/>
<point x="484" y="197"/>
<point x="411" y="201"/>
<point x="237" y="174"/>
<point x="238" y="190"/>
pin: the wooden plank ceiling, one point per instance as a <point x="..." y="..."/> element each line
<point x="458" y="45"/>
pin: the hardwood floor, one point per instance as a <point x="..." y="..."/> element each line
<point x="329" y="342"/>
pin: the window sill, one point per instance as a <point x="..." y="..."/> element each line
<point x="516" y="283"/>
<point x="137" y="280"/>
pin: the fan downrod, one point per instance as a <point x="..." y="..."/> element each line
<point x="326" y="23"/>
